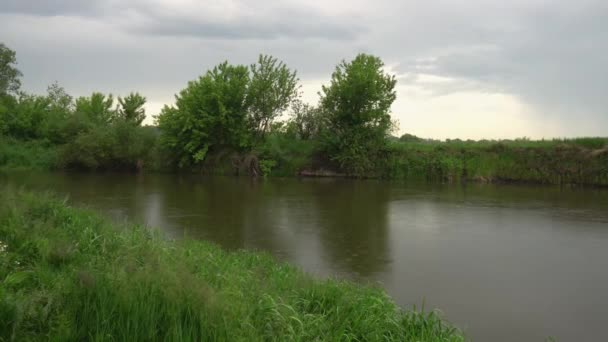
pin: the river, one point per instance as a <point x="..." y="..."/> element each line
<point x="502" y="262"/>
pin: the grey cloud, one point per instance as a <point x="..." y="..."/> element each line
<point x="153" y="18"/>
<point x="552" y="57"/>
<point x="51" y="7"/>
<point x="282" y="25"/>
<point x="548" y="54"/>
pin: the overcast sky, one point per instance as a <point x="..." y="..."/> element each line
<point x="465" y="69"/>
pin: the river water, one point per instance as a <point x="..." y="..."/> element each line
<point x="504" y="263"/>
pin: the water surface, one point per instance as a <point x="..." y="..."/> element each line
<point x="505" y="263"/>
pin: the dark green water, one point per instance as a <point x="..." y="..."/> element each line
<point x="505" y="263"/>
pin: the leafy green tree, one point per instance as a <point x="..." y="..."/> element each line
<point x="410" y="138"/>
<point x="357" y="108"/>
<point x="59" y="112"/>
<point x="209" y="115"/>
<point x="98" y="108"/>
<point x="272" y="88"/>
<point x="9" y="74"/>
<point x="305" y="121"/>
<point x="131" y="108"/>
<point x="59" y="99"/>
<point x="24" y="119"/>
<point x="8" y="103"/>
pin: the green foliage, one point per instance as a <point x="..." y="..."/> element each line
<point x="9" y="74"/>
<point x="98" y="108"/>
<point x="67" y="275"/>
<point x="22" y="116"/>
<point x="559" y="161"/>
<point x="271" y="90"/>
<point x="266" y="166"/>
<point x="228" y="110"/>
<point x="57" y="125"/>
<point x="117" y="146"/>
<point x="208" y="116"/>
<point x="305" y="121"/>
<point x="410" y="138"/>
<point x="357" y="105"/>
<point x="45" y="132"/>
<point x="27" y="155"/>
<point x="132" y="108"/>
<point x="289" y="153"/>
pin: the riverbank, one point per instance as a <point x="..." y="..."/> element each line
<point x="581" y="161"/>
<point x="68" y="274"/>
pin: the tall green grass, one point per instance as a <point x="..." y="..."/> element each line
<point x="560" y="161"/>
<point x="68" y="275"/>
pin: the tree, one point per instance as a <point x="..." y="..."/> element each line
<point x="9" y="74"/>
<point x="56" y="126"/>
<point x="357" y="108"/>
<point x="410" y="138"/>
<point x="272" y="88"/>
<point x="305" y="120"/>
<point x="25" y="117"/>
<point x="59" y="99"/>
<point x="97" y="108"/>
<point x="131" y="108"/>
<point x="209" y="115"/>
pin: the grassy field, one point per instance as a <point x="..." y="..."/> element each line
<point x="574" y="161"/>
<point x="67" y="274"/>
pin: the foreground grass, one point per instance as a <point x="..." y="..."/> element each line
<point x="66" y="274"/>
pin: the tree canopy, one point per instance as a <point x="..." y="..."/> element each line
<point x="210" y="113"/>
<point x="357" y="106"/>
<point x="271" y="90"/>
<point x="131" y="108"/>
<point x="9" y="74"/>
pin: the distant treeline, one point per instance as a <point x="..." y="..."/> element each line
<point x="231" y="121"/>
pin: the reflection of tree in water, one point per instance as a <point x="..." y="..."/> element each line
<point x="209" y="208"/>
<point x="233" y="212"/>
<point x="354" y="225"/>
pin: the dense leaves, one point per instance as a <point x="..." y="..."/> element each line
<point x="9" y="74"/>
<point x="229" y="109"/>
<point x="132" y="109"/>
<point x="272" y="89"/>
<point x="209" y="115"/>
<point x="357" y="106"/>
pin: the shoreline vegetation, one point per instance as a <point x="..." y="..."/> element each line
<point x="580" y="161"/>
<point x="68" y="274"/>
<point x="249" y="120"/>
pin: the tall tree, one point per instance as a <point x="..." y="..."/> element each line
<point x="357" y="106"/>
<point x="98" y="108"/>
<point x="59" y="99"/>
<point x="209" y="114"/>
<point x="305" y="120"/>
<point x="272" y="88"/>
<point x="131" y="108"/>
<point x="9" y="74"/>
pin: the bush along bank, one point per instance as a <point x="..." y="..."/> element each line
<point x="576" y="161"/>
<point x="68" y="275"/>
